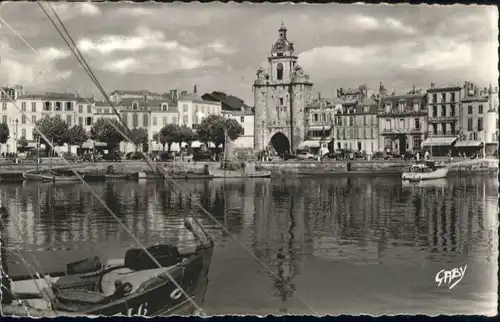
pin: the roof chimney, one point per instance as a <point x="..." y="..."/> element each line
<point x="319" y="95"/>
<point x="194" y="90"/>
<point x="433" y="85"/>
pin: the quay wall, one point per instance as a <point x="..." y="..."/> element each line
<point x="13" y="172"/>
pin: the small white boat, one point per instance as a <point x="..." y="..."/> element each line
<point x="425" y="170"/>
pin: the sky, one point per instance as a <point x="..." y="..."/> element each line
<point x="219" y="46"/>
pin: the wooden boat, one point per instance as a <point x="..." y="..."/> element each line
<point x="151" y="175"/>
<point x="49" y="177"/>
<point x="425" y="170"/>
<point x="131" y="286"/>
<point x="116" y="176"/>
<point x="221" y="173"/>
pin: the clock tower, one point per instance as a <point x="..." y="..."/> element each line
<point x="280" y="96"/>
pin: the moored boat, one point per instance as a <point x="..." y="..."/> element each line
<point x="131" y="286"/>
<point x="221" y="173"/>
<point x="425" y="170"/>
<point x="49" y="177"/>
<point x="117" y="176"/>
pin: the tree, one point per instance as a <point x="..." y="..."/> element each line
<point x="139" y="137"/>
<point x="77" y="135"/>
<point x="185" y="134"/>
<point x="54" y="129"/>
<point x="213" y="128"/>
<point x="168" y="135"/>
<point x="103" y="131"/>
<point x="4" y="133"/>
<point x="22" y="144"/>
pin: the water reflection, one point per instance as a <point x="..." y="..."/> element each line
<point x="288" y="224"/>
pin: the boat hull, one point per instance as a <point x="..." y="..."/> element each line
<point x="419" y="176"/>
<point x="239" y="174"/>
<point x="44" y="177"/>
<point x="162" y="298"/>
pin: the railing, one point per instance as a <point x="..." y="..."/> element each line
<point x="416" y="130"/>
<point x="438" y="119"/>
<point x="402" y="113"/>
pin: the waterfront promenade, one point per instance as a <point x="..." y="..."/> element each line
<point x="13" y="172"/>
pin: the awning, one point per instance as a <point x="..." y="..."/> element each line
<point x="196" y="144"/>
<point x="309" y="144"/>
<point x="439" y="141"/>
<point x="319" y="128"/>
<point x="462" y="144"/>
<point x="89" y="144"/>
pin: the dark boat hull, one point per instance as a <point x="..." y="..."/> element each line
<point x="165" y="299"/>
<point x="160" y="298"/>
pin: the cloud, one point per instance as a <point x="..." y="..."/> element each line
<point x="89" y="9"/>
<point x="70" y="10"/>
<point x="366" y="22"/>
<point x="22" y="67"/>
<point x="122" y="65"/>
<point x="117" y="53"/>
<point x="220" y="48"/>
<point x="399" y="26"/>
<point x="433" y="54"/>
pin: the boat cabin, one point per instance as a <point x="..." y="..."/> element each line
<point x="426" y="166"/>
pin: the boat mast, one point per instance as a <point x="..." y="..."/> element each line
<point x="37" y="153"/>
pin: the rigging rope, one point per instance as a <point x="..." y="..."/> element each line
<point x="146" y="157"/>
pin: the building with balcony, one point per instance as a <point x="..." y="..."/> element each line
<point x="345" y="122"/>
<point x="402" y="120"/>
<point x="162" y="115"/>
<point x="491" y="124"/>
<point x="444" y="108"/>
<point x="245" y="118"/>
<point x="318" y="119"/>
<point x="193" y="109"/>
<point x="479" y="121"/>
<point x="65" y="106"/>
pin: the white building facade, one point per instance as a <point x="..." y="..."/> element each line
<point x="246" y="119"/>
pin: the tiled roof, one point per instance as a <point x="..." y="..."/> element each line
<point x="246" y="112"/>
<point x="475" y="99"/>
<point x="139" y="92"/>
<point x="229" y="102"/>
<point x="51" y="96"/>
<point x="405" y="97"/>
<point x="444" y="88"/>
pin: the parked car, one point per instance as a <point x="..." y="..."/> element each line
<point x="379" y="156"/>
<point x="70" y="157"/>
<point x="32" y="158"/>
<point x="289" y="157"/>
<point x="305" y="155"/>
<point x="165" y="156"/>
<point x="134" y="156"/>
<point x="202" y="156"/>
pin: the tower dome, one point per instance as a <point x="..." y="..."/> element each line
<point x="282" y="46"/>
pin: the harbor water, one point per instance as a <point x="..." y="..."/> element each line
<point x="338" y="245"/>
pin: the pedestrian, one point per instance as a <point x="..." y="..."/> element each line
<point x="417" y="156"/>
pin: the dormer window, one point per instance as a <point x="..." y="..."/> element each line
<point x="387" y="107"/>
<point x="416" y="106"/>
<point x="135" y="105"/>
<point x="322" y="104"/>
<point x="164" y="107"/>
